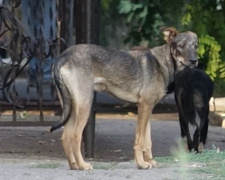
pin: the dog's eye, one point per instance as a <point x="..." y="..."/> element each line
<point x="196" y="46"/>
<point x="181" y="45"/>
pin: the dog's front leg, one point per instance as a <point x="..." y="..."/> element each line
<point x="144" y="112"/>
<point x="148" y="145"/>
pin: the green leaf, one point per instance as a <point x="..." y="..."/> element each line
<point x="144" y="13"/>
<point x="130" y="17"/>
<point x="186" y="19"/>
<point x="125" y="7"/>
<point x="137" y="6"/>
<point x="105" y="4"/>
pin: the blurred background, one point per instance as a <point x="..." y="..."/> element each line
<point x="139" y="22"/>
<point x="34" y="32"/>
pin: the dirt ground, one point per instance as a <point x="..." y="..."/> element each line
<point x="113" y="138"/>
<point x="34" y="153"/>
<point x="114" y="135"/>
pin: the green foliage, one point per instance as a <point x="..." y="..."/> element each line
<point x="110" y="21"/>
<point x="105" y="4"/>
<point x="145" y="19"/>
<point x="219" y="88"/>
<point x="206" y="17"/>
<point x="139" y="10"/>
<point x="186" y="19"/>
<point x="136" y="14"/>
<point x="208" y="52"/>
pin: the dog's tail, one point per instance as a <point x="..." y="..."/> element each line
<point x="65" y="98"/>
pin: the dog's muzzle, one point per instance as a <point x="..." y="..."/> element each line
<point x="193" y="63"/>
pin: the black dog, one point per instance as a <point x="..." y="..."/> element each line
<point x="193" y="90"/>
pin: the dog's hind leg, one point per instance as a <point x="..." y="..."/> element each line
<point x="148" y="146"/>
<point x="79" y="83"/>
<point x="66" y="75"/>
<point x="82" y="114"/>
<point x="184" y="131"/>
<point x="189" y="139"/>
<point x="72" y="136"/>
<point x="203" y="135"/>
<point x="196" y="139"/>
<point x="82" y="102"/>
<point x="66" y="142"/>
<point x="204" y="130"/>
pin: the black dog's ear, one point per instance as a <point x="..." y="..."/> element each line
<point x="169" y="33"/>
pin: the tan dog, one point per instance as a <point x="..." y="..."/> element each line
<point x="140" y="76"/>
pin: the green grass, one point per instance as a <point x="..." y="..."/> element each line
<point x="209" y="162"/>
<point x="214" y="162"/>
<point x="48" y="165"/>
<point x="106" y="166"/>
<point x="167" y="159"/>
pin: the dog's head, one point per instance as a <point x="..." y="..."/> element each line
<point x="183" y="47"/>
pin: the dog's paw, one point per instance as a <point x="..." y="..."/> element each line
<point x="150" y="160"/>
<point x="201" y="147"/>
<point x="153" y="163"/>
<point x="144" y="165"/>
<point x="73" y="166"/>
<point x="85" y="166"/>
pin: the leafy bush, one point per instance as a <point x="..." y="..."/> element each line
<point x="145" y="18"/>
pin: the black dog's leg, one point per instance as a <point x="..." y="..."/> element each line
<point x="196" y="139"/>
<point x="183" y="126"/>
<point x="189" y="140"/>
<point x="185" y="134"/>
<point x="204" y="130"/>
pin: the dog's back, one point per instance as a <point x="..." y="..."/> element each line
<point x="193" y="90"/>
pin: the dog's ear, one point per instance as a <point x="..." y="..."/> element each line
<point x="169" y="33"/>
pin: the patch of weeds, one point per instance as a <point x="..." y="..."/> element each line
<point x="214" y="161"/>
<point x="178" y="156"/>
<point x="6" y="161"/>
<point x="106" y="166"/>
<point x="164" y="162"/>
<point x="48" y="165"/>
<point x="210" y="163"/>
<point x="181" y="157"/>
<point x="166" y="159"/>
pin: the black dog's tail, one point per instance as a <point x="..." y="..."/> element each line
<point x="65" y="98"/>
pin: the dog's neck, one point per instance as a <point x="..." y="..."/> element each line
<point x="167" y="63"/>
